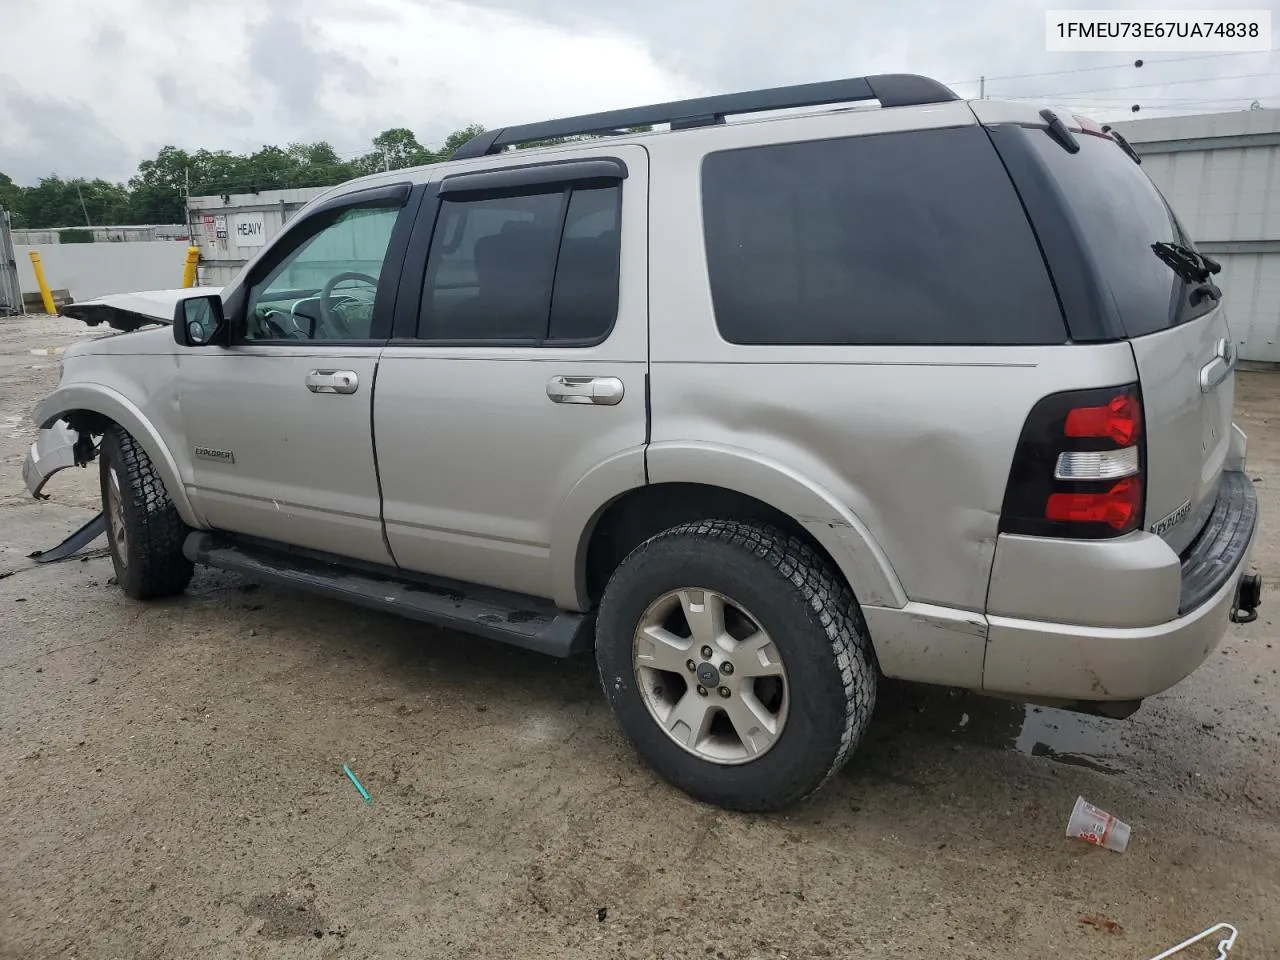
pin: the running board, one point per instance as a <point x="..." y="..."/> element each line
<point x="511" y="618"/>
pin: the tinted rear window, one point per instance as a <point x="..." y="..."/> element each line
<point x="902" y="238"/>
<point x="1120" y="214"/>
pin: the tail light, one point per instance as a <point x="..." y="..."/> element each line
<point x="1079" y="469"/>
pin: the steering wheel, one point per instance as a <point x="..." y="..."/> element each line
<point x="331" y="319"/>
<point x="276" y="328"/>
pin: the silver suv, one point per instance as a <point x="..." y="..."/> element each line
<point x="762" y="411"/>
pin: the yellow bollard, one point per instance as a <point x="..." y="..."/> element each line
<point x="45" y="293"/>
<point x="189" y="270"/>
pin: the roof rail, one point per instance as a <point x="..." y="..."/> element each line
<point x="891" y="89"/>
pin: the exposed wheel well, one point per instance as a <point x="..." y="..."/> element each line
<point x="645" y="512"/>
<point x="87" y="423"/>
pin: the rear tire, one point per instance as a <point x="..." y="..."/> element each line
<point x="144" y="531"/>
<point x="799" y="690"/>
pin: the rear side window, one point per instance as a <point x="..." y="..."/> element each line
<point x="901" y="238"/>
<point x="1120" y="214"/>
<point x="539" y="266"/>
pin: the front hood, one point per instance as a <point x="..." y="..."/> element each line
<point x="129" y="311"/>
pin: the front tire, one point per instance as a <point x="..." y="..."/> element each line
<point x="737" y="663"/>
<point x="144" y="531"/>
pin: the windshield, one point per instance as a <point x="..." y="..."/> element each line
<point x="1121" y="215"/>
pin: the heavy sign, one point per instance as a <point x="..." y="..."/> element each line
<point x="248" y="230"/>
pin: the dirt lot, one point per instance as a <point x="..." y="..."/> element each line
<point x="171" y="785"/>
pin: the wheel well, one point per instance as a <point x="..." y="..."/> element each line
<point x="88" y="421"/>
<point x="645" y="512"/>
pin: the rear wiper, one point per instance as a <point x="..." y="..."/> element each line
<point x="1124" y="144"/>
<point x="1191" y="265"/>
<point x="1207" y="289"/>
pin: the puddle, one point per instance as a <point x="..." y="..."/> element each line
<point x="1096" y="743"/>
<point x="1073" y="738"/>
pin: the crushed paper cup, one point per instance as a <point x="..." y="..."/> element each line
<point x="1096" y="826"/>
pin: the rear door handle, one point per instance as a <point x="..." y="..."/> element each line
<point x="604" y="391"/>
<point x="1216" y="370"/>
<point x="332" y="381"/>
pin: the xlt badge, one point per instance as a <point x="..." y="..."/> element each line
<point x="209" y="453"/>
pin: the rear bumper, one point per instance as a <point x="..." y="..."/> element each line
<point x="1035" y="658"/>
<point x="1223" y="543"/>
<point x="54" y="450"/>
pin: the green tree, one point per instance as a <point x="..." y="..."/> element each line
<point x="55" y="202"/>
<point x="157" y="192"/>
<point x="458" y="138"/>
<point x="158" y="189"/>
<point x="398" y="148"/>
<point x="11" y="200"/>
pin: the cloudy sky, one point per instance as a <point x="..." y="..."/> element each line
<point x="90" y="87"/>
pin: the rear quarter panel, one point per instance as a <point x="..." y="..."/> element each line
<point x="915" y="442"/>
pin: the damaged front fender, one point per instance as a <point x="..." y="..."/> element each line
<point x="73" y="400"/>
<point x="55" y="449"/>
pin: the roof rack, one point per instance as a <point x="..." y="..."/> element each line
<point x="891" y="89"/>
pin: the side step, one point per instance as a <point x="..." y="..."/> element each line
<point x="506" y="617"/>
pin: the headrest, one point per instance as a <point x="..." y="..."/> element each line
<point x="508" y="252"/>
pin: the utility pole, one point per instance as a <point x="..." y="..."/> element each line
<point x="83" y="209"/>
<point x="982" y="88"/>
<point x="186" y="207"/>
<point x="386" y="159"/>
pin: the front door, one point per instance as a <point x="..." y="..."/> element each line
<point x="280" y="421"/>
<point x="519" y="368"/>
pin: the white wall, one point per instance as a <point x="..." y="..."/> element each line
<point x="1251" y="290"/>
<point x="89" y="270"/>
<point x="1221" y="173"/>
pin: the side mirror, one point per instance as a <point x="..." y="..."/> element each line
<point x="199" y="321"/>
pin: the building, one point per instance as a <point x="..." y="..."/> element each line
<point x="1221" y="173"/>
<point x="230" y="229"/>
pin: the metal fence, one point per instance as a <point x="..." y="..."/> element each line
<point x="10" y="290"/>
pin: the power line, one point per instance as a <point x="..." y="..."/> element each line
<point x="1140" y="86"/>
<point x="1115" y="66"/>
<point x="1146" y="100"/>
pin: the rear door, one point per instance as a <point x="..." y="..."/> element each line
<point x="518" y="364"/>
<point x="1181" y="344"/>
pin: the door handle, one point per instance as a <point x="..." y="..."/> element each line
<point x="332" y="381"/>
<point x="1216" y="370"/>
<point x="603" y="391"/>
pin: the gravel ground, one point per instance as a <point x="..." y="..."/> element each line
<point x="172" y="787"/>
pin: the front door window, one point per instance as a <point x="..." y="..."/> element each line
<point x="326" y="288"/>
